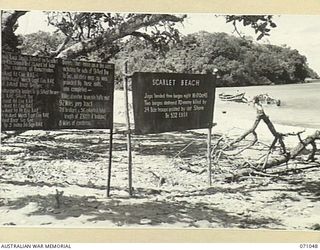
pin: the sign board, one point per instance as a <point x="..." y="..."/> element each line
<point x="165" y="102"/>
<point x="49" y="93"/>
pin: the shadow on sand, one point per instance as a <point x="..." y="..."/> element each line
<point x="126" y="212"/>
<point x="88" y="145"/>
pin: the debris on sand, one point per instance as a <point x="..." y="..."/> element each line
<point x="266" y="99"/>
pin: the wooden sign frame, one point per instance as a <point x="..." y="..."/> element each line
<point x="42" y="93"/>
<point x="200" y="104"/>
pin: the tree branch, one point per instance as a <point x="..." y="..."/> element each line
<point x="61" y="47"/>
<point x="145" y="36"/>
<point x="314" y="150"/>
<point x="278" y="138"/>
<point x="295" y="151"/>
<point x="111" y="35"/>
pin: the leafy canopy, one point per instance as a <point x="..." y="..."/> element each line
<point x="239" y="62"/>
<point x="101" y="33"/>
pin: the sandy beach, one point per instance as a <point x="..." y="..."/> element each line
<point x="38" y="164"/>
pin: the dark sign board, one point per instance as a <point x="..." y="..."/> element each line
<point x="49" y="93"/>
<point x="165" y="102"/>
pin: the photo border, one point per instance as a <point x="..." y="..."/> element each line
<point x="151" y="235"/>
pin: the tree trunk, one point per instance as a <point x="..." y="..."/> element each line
<point x="8" y="24"/>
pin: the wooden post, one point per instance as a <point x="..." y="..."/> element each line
<point x="209" y="155"/>
<point x="125" y="87"/>
<point x="110" y="148"/>
<point x="110" y="161"/>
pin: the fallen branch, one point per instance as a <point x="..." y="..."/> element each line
<point x="310" y="140"/>
<point x="249" y="168"/>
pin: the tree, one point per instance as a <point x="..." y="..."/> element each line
<point x="100" y="33"/>
<point x="8" y="27"/>
<point x="91" y="32"/>
<point x="240" y="62"/>
<point x="101" y="36"/>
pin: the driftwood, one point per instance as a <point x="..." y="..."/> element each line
<point x="297" y="150"/>
<point x="278" y="138"/>
<point x="259" y="168"/>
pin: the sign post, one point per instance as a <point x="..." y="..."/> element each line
<point x="209" y="156"/>
<point x="125" y="88"/>
<point x="164" y="102"/>
<point x="109" y="163"/>
<point x="110" y="152"/>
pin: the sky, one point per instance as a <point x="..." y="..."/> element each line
<point x="301" y="32"/>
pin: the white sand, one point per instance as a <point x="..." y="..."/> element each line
<point x="33" y="167"/>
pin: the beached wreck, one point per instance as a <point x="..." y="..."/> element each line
<point x="234" y="98"/>
<point x="263" y="98"/>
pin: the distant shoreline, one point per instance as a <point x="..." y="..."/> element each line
<point x="283" y="84"/>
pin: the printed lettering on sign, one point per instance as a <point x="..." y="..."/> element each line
<point x="165" y="102"/>
<point x="49" y="93"/>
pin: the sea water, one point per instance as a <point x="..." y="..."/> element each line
<point x="300" y="103"/>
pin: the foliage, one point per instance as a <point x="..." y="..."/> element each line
<point x="100" y="33"/>
<point x="153" y="43"/>
<point x="239" y="62"/>
<point x="40" y="43"/>
<point x="261" y="24"/>
<point x="86" y="33"/>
